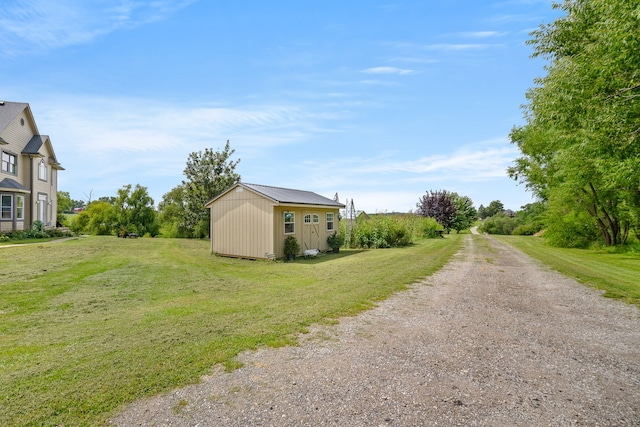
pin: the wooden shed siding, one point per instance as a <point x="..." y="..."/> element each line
<point x="242" y="225"/>
<point x="300" y="211"/>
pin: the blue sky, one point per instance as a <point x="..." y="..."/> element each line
<point x="378" y="101"/>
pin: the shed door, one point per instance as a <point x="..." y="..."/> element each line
<point x="311" y="231"/>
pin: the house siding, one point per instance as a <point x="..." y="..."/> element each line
<point x="17" y="133"/>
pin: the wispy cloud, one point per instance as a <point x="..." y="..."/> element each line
<point x="481" y="34"/>
<point x="377" y="82"/>
<point x="387" y="70"/>
<point x="473" y="162"/>
<point x="32" y="26"/>
<point x="396" y="179"/>
<point x="113" y="141"/>
<point x="117" y="126"/>
<point x="447" y="47"/>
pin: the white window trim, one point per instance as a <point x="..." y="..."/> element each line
<point x="292" y="222"/>
<point x="3" y="161"/>
<point x="332" y="221"/>
<point x="42" y="171"/>
<point x="2" y="206"/>
<point x="20" y="210"/>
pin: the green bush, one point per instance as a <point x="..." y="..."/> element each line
<point x="499" y="224"/>
<point x="33" y="233"/>
<point x="528" y="229"/>
<point x="383" y="231"/>
<point x="572" y="230"/>
<point x="430" y="228"/>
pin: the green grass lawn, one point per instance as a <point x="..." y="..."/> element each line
<point x="618" y="274"/>
<point x="91" y="324"/>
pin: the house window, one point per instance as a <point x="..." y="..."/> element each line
<point x="330" y="217"/>
<point x="9" y="163"/>
<point x="307" y="219"/>
<point x="6" y="200"/>
<point x="289" y="222"/>
<point x="42" y="170"/>
<point x="20" y="207"/>
<point x="316" y="219"/>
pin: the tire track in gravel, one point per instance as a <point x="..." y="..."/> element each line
<point x="492" y="339"/>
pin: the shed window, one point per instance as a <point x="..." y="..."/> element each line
<point x="6" y="201"/>
<point x="9" y="163"/>
<point x="311" y="219"/>
<point x="330" y="217"/>
<point x="289" y="222"/>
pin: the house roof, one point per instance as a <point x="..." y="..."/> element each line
<point x="8" y="112"/>
<point x="33" y="146"/>
<point x="10" y="184"/>
<point x="286" y="195"/>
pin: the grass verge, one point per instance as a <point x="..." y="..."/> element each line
<point x="617" y="274"/>
<point x="89" y="325"/>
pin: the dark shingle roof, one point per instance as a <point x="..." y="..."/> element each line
<point x="10" y="184"/>
<point x="288" y="195"/>
<point x="33" y="147"/>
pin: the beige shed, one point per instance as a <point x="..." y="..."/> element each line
<point x="252" y="221"/>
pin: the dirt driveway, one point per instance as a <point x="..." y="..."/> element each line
<point x="493" y="339"/>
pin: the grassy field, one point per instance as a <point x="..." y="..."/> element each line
<point x="618" y="274"/>
<point x="89" y="325"/>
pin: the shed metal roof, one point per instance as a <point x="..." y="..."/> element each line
<point x="287" y="195"/>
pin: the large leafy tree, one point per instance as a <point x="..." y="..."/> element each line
<point x="207" y="174"/>
<point x="98" y="218"/>
<point x="131" y="211"/>
<point x="465" y="214"/>
<point x="135" y="211"/>
<point x="581" y="142"/>
<point x="65" y="204"/>
<point x="171" y="210"/>
<point x="440" y="206"/>
<point x="494" y="208"/>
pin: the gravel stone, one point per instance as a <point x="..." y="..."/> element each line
<point x="492" y="339"/>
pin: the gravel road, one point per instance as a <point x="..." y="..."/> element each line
<point x="493" y="339"/>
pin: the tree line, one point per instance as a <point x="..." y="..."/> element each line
<point x="181" y="213"/>
<point x="580" y="144"/>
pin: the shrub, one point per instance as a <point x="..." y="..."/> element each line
<point x="335" y="240"/>
<point x="33" y="233"/>
<point x="383" y="231"/>
<point x="430" y="228"/>
<point x="499" y="224"/>
<point x="291" y="245"/>
<point x="572" y="230"/>
<point x="528" y="229"/>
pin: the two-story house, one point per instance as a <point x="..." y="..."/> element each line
<point x="28" y="170"/>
